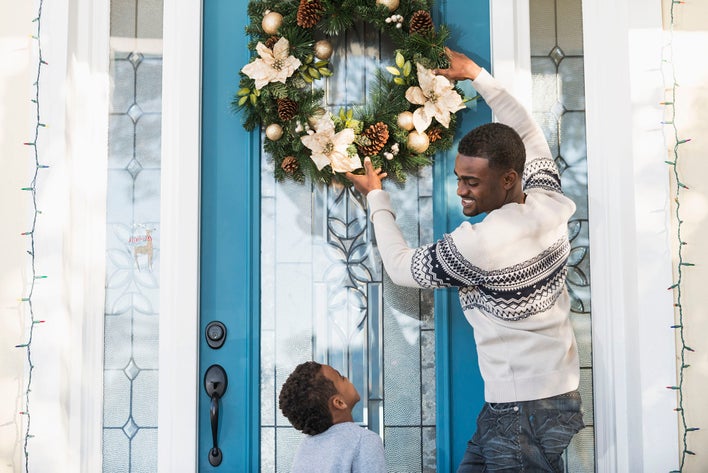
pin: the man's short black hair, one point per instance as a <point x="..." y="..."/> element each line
<point x="500" y="144"/>
<point x="304" y="398"/>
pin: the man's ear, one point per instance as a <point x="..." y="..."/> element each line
<point x="509" y="179"/>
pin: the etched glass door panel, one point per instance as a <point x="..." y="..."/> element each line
<point x="325" y="296"/>
<point x="133" y="238"/>
<point x="559" y="107"/>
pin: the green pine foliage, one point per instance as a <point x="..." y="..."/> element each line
<point x="385" y="102"/>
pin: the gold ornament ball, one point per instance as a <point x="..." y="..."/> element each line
<point x="405" y="120"/>
<point x="323" y="49"/>
<point x="271" y="22"/>
<point x="390" y="4"/>
<point x="274" y="132"/>
<point x="418" y="142"/>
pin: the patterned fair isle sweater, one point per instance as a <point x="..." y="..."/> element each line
<point x="510" y="269"/>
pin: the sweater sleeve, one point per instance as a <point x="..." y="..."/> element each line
<point x="395" y="252"/>
<point x="436" y="265"/>
<point x="540" y="170"/>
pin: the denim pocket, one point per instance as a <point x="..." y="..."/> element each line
<point x="497" y="437"/>
<point x="554" y="422"/>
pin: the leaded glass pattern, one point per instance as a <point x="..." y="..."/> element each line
<point x="133" y="239"/>
<point x="559" y="106"/>
<point x="325" y="296"/>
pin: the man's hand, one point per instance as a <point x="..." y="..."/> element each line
<point x="369" y="181"/>
<point x="461" y="67"/>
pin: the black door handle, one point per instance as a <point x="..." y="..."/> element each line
<point x="215" y="382"/>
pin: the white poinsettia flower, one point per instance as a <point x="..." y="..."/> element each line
<point x="273" y="65"/>
<point x="437" y="97"/>
<point x="330" y="148"/>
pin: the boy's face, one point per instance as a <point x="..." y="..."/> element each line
<point x="345" y="388"/>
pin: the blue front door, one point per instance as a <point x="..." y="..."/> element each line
<point x="249" y="278"/>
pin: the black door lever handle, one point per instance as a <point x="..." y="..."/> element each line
<point x="215" y="382"/>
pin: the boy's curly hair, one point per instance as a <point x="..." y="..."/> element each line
<point x="304" y="398"/>
<point x="500" y="144"/>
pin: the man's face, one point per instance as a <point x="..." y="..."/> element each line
<point x="344" y="387"/>
<point x="481" y="188"/>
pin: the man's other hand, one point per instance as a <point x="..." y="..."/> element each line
<point x="370" y="180"/>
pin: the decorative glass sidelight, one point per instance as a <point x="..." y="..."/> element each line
<point x="133" y="238"/>
<point x="325" y="296"/>
<point x="559" y="107"/>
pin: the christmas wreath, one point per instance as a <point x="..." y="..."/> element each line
<point x="409" y="115"/>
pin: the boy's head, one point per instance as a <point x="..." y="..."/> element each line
<point x="316" y="396"/>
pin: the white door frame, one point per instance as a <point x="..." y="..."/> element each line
<point x="179" y="254"/>
<point x="628" y="195"/>
<point x="633" y="345"/>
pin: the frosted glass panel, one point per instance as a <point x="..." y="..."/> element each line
<point x="133" y="238"/>
<point x="543" y="26"/>
<point x="403" y="450"/>
<point x="325" y="296"/>
<point x="559" y="107"/>
<point x="570" y="26"/>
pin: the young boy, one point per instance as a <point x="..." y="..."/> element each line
<point x="318" y="401"/>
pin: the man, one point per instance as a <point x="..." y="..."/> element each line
<point x="510" y="269"/>
<point x="318" y="401"/>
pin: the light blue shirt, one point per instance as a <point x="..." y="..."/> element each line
<point x="344" y="447"/>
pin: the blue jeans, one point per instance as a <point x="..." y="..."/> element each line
<point x="525" y="436"/>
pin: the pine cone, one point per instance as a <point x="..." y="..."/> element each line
<point x="270" y="42"/>
<point x="421" y="22"/>
<point x="290" y="164"/>
<point x="309" y="13"/>
<point x="434" y="134"/>
<point x="287" y="109"/>
<point x="377" y="135"/>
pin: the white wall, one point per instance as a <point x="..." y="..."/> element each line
<point x="15" y="206"/>
<point x="690" y="43"/>
<point x="49" y="396"/>
<point x="65" y="400"/>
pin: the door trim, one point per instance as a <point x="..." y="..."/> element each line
<point x="511" y="49"/>
<point x="179" y="254"/>
<point x="80" y="139"/>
